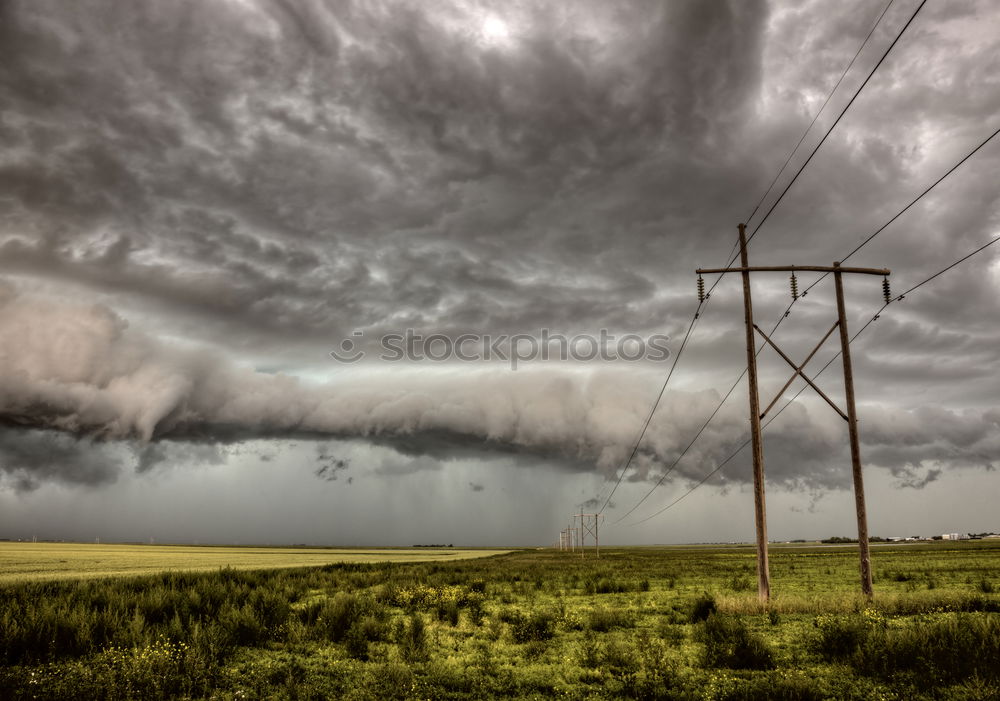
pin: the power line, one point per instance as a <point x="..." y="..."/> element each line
<point x="704" y="426"/>
<point x="702" y="429"/>
<point x="659" y="396"/>
<point x="823" y="107"/>
<point x="652" y="410"/>
<point x="701" y="304"/>
<point x="944" y="270"/>
<point x="683" y="452"/>
<point x="867" y="240"/>
<point x="919" y="197"/>
<point x="757" y="228"/>
<point x="732" y="256"/>
<point x="836" y="121"/>
<point x="657" y="402"/>
<point x="803" y="166"/>
<point x="882" y="228"/>
<point x="820" y="372"/>
<point x="703" y="480"/>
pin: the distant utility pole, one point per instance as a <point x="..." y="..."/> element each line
<point x="588" y="524"/>
<point x="763" y="574"/>
<point x="567" y="537"/>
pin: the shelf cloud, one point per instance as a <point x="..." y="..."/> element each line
<point x="83" y="371"/>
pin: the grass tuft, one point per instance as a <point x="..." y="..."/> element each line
<point x="729" y="643"/>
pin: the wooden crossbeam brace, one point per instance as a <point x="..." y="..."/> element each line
<point x="798" y="370"/>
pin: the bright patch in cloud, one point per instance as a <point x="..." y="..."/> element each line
<point x="495" y="31"/>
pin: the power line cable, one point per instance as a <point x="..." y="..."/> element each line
<point x="808" y="129"/>
<point x="823" y="107"/>
<point x="683" y="452"/>
<point x="851" y="253"/>
<point x="836" y="121"/>
<point x="919" y="197"/>
<point x="693" y="440"/>
<point x="733" y="256"/>
<point x="652" y="410"/>
<point x="703" y="427"/>
<point x="944" y="270"/>
<point x="882" y="228"/>
<point x="663" y="389"/>
<point x="820" y="372"/>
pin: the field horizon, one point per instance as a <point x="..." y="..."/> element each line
<point x="44" y="561"/>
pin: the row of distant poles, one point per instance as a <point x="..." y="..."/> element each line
<point x="574" y="536"/>
<point x="756" y="415"/>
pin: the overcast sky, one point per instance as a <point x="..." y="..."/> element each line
<point x="200" y="200"/>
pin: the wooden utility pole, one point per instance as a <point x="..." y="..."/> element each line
<point x="580" y="530"/>
<point x="566" y="539"/>
<point x="756" y="443"/>
<point x="852" y="430"/>
<point x="588" y="524"/>
<point x="756" y="415"/>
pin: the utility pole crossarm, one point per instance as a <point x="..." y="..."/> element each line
<point x="795" y="268"/>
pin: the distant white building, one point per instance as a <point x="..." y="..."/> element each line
<point x="954" y="536"/>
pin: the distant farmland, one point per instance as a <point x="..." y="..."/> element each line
<point x="48" y="561"/>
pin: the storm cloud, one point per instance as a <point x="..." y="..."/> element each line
<point x="198" y="201"/>
<point x="82" y="370"/>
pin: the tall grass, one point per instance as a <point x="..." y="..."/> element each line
<point x="641" y="623"/>
<point x="960" y="647"/>
<point x="729" y="643"/>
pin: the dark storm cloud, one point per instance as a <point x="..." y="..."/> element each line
<point x="329" y="471"/>
<point x="914" y="482"/>
<point x="596" y="503"/>
<point x="29" y="458"/>
<point x="330" y="466"/>
<point x="149" y="456"/>
<point x="270" y="176"/>
<point x="252" y="162"/>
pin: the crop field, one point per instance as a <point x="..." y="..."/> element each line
<point x="644" y="623"/>
<point x="37" y="561"/>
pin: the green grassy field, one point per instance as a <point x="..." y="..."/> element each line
<point x="38" y="561"/>
<point x="645" y="623"/>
